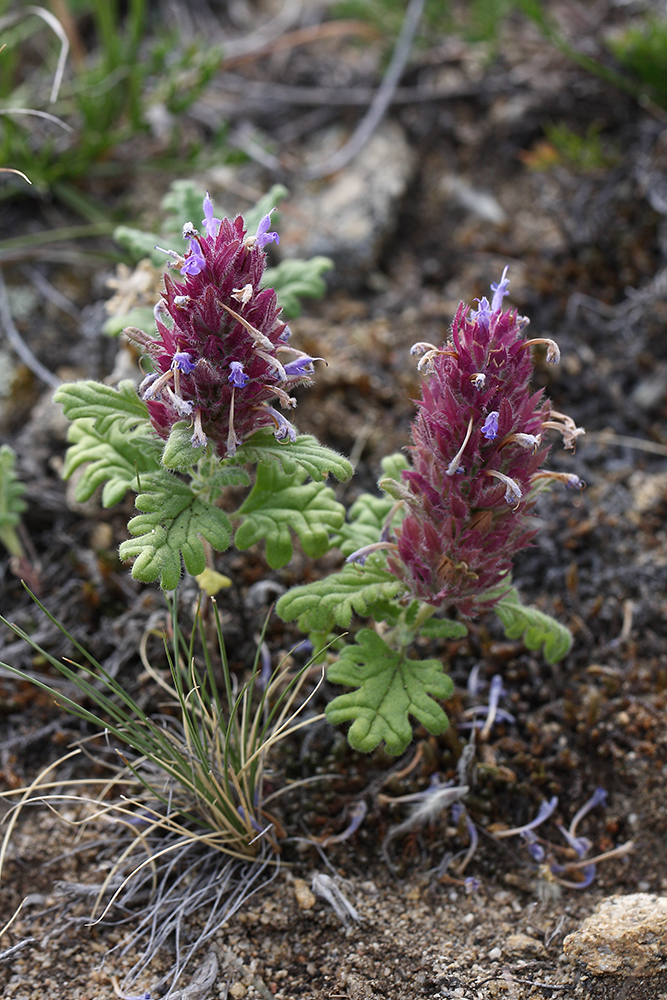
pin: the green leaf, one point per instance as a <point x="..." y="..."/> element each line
<point x="443" y="628"/>
<point x="332" y="601"/>
<point x="281" y="503"/>
<point x="113" y="458"/>
<point x="366" y="519"/>
<point x="170" y="526"/>
<point x="179" y="453"/>
<point x="394" y="465"/>
<point x="103" y="404"/>
<point x="537" y="628"/>
<point x="140" y="244"/>
<point x="306" y="453"/>
<point x="12" y="503"/>
<point x="390" y="687"/>
<point x="142" y="317"/>
<point x="296" y="279"/>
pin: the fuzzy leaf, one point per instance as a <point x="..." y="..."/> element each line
<point x="306" y="453"/>
<point x="280" y="503"/>
<point x="103" y="404"/>
<point x="112" y="458"/>
<point x="170" y="526"/>
<point x="389" y="688"/>
<point x="332" y="601"/>
<point x="11" y="489"/>
<point x="366" y="519"/>
<point x="443" y="628"/>
<point x="393" y="465"/>
<point x="295" y="279"/>
<point x="139" y="244"/>
<point x="179" y="453"/>
<point x="537" y="628"/>
<point x="12" y="503"/>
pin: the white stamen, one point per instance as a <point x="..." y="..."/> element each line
<point x="259" y="337"/>
<point x="454" y="464"/>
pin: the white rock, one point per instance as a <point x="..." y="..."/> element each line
<point x="626" y="935"/>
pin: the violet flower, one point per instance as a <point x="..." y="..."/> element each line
<point x="477" y="453"/>
<point x="215" y="352"/>
<point x="263" y="236"/>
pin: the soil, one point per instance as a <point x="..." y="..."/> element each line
<point x="587" y="248"/>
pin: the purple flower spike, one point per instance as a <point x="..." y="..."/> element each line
<point x="183" y="362"/>
<point x="263" y="236"/>
<point x="499" y="292"/>
<point x="210" y="224"/>
<point x="219" y="331"/>
<point x="237" y="376"/>
<point x="467" y="506"/>
<point x="490" y="426"/>
<point x="194" y="262"/>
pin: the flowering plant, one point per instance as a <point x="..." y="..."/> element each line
<point x="444" y="534"/>
<point x="222" y="369"/>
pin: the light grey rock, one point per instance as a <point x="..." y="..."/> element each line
<point x="349" y="216"/>
<point x="626" y="935"/>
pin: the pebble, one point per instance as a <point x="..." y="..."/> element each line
<point x="305" y="898"/>
<point x="625" y="935"/>
<point x="520" y="944"/>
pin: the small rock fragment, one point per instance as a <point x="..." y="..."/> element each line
<point x="522" y="944"/>
<point x="626" y="935"/>
<point x="305" y="899"/>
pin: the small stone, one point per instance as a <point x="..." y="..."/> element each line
<point x="305" y="899"/>
<point x="495" y="954"/>
<point x="237" y="991"/>
<point x="626" y="935"/>
<point x="521" y="944"/>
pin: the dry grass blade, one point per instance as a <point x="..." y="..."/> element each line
<point x="181" y="804"/>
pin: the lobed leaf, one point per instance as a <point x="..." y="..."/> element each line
<point x="172" y="524"/>
<point x="365" y="522"/>
<point x="535" y="627"/>
<point x="389" y="688"/>
<point x="294" y="279"/>
<point x="12" y="504"/>
<point x="113" y="459"/>
<point x="103" y="404"/>
<point x="280" y="504"/>
<point x="318" y="606"/>
<point x="305" y="453"/>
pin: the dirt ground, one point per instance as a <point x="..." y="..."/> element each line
<point x="587" y="249"/>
